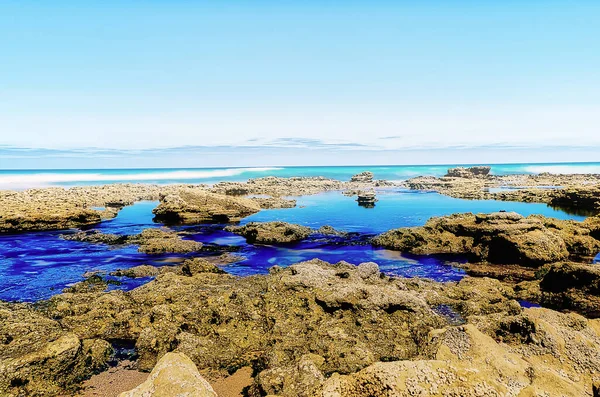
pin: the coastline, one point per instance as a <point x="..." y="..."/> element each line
<point x="297" y="327"/>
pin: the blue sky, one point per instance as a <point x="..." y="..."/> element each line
<point x="88" y="84"/>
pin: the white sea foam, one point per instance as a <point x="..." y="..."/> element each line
<point x="564" y="169"/>
<point x="20" y="181"/>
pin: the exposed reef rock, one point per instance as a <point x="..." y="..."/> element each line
<point x="271" y="232"/>
<point x="538" y="353"/>
<point x="189" y="267"/>
<point x="198" y="206"/>
<point x="571" y="286"/>
<point x="313" y="329"/>
<point x="502" y="238"/>
<point x="274" y="202"/>
<point x="150" y="241"/>
<point x="471" y="172"/>
<point x="363" y="177"/>
<point x="39" y="358"/>
<point x="58" y="208"/>
<point x="174" y="375"/>
<point x="575" y="193"/>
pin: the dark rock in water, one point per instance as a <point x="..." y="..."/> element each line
<point x="363" y="177"/>
<point x="367" y="199"/>
<point x="471" y="172"/>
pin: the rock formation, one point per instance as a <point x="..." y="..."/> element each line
<point x="470" y="172"/>
<point x="366" y="199"/>
<point x="150" y="241"/>
<point x="363" y="177"/>
<point x="502" y="238"/>
<point x="174" y="375"/>
<point x="271" y="232"/>
<point x="190" y="206"/>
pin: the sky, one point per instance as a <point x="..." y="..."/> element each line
<point x="184" y="83"/>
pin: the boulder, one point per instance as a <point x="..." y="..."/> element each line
<point x="271" y="232"/>
<point x="191" y="206"/>
<point x="174" y="375"/>
<point x="363" y="177"/>
<point x="470" y="172"/>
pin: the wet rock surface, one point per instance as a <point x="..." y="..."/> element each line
<point x="470" y="172"/>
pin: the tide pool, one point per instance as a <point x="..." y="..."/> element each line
<point x="35" y="266"/>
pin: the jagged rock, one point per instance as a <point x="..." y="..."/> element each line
<point x="189" y="267"/>
<point x="543" y="353"/>
<point x="502" y="238"/>
<point x="150" y="241"/>
<point x="330" y="231"/>
<point x="274" y="202"/>
<point x="470" y="172"/>
<point x="571" y="286"/>
<point x="174" y="375"/>
<point x="39" y="358"/>
<point x="198" y="206"/>
<point x="158" y="241"/>
<point x="271" y="232"/>
<point x="363" y="177"/>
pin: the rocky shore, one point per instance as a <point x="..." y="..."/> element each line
<point x="315" y="328"/>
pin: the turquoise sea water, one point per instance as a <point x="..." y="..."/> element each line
<point x="20" y="179"/>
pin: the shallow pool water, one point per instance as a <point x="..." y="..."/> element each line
<point x="35" y="266"/>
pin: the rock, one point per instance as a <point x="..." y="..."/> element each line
<point x="189" y="267"/>
<point x="197" y="206"/>
<point x="571" y="286"/>
<point x="58" y="208"/>
<point x="174" y="375"/>
<point x="367" y="199"/>
<point x="367" y="270"/>
<point x="94" y="283"/>
<point x="467" y="362"/>
<point x="274" y="202"/>
<point x="271" y="232"/>
<point x="38" y="358"/>
<point x="470" y="172"/>
<point x="498" y="238"/>
<point x="151" y="241"/>
<point x="363" y="177"/>
<point x="330" y="231"/>
<point x="95" y="236"/>
<point x="158" y="241"/>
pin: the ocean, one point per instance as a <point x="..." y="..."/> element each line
<point x="22" y="179"/>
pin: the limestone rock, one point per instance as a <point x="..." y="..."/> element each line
<point x="174" y="375"/>
<point x="502" y="238"/>
<point x="197" y="206"/>
<point x="363" y="177"/>
<point x="271" y="232"/>
<point x="470" y="172"/>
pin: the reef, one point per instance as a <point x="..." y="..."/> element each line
<point x="150" y="241"/>
<point x="312" y="329"/>
<point x="271" y="232"/>
<point x="499" y="238"/>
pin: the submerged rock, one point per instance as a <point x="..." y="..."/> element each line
<point x="174" y="375"/>
<point x="271" y="232"/>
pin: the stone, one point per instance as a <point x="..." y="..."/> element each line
<point x="271" y="232"/>
<point x="174" y="375"/>
<point x="363" y="177"/>
<point x="470" y="172"/>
